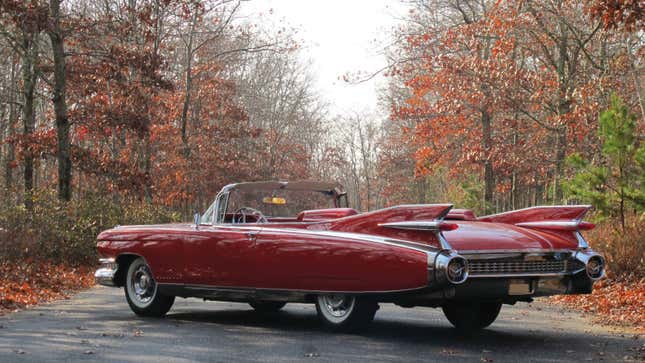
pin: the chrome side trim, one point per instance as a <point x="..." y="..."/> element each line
<point x="416" y="225"/>
<point x="491" y="256"/>
<point x="545" y="224"/>
<point x="520" y="250"/>
<point x="442" y="241"/>
<point x="529" y="274"/>
<point x="422" y="226"/>
<point x="582" y="243"/>
<point x="254" y="290"/>
<point x="536" y="207"/>
<point x="353" y="236"/>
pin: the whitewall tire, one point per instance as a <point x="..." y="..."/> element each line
<point x="345" y="312"/>
<point x="141" y="291"/>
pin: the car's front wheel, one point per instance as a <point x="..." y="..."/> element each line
<point x="344" y="312"/>
<point x="472" y="316"/>
<point x="142" y="293"/>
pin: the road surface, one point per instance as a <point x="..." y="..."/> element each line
<point x="97" y="325"/>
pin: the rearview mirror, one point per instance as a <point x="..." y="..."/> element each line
<point x="274" y="200"/>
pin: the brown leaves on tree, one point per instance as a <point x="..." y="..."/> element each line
<point x="508" y="92"/>
<point x="622" y="14"/>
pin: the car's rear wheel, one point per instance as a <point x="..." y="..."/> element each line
<point x="263" y="306"/>
<point x="472" y="316"/>
<point x="142" y="293"/>
<point x="344" y="312"/>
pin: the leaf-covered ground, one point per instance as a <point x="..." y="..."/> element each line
<point x="613" y="302"/>
<point x="29" y="283"/>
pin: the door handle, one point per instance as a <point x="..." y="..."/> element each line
<point x="252" y="235"/>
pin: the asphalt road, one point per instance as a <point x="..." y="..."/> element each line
<point x="97" y="325"/>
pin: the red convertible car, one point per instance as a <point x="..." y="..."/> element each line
<point x="270" y="243"/>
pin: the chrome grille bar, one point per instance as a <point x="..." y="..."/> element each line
<point x="516" y="267"/>
<point x="522" y="264"/>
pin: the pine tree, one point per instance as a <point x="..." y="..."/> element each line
<point x="617" y="184"/>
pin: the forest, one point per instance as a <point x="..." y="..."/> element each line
<point x="118" y="112"/>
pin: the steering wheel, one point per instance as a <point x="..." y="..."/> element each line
<point x="240" y="215"/>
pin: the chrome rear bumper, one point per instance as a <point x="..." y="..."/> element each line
<point x="541" y="264"/>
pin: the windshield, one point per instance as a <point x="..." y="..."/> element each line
<point x="280" y="202"/>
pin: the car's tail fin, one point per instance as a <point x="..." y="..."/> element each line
<point x="561" y="217"/>
<point x="397" y="214"/>
<point x="411" y="222"/>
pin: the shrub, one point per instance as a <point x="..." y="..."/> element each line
<point x="66" y="232"/>
<point x="622" y="249"/>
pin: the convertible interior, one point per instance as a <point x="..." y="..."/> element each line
<point x="278" y="202"/>
<point x="294" y="202"/>
<point x="251" y="215"/>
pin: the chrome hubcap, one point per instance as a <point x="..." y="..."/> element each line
<point x="338" y="305"/>
<point x="142" y="284"/>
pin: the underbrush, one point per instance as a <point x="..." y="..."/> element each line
<point x="65" y="232"/>
<point x="623" y="249"/>
<point x="614" y="301"/>
<point x="27" y="283"/>
<point x="618" y="299"/>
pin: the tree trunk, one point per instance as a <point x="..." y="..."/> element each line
<point x="560" y="155"/>
<point x="489" y="178"/>
<point x="29" y="59"/>
<point x="11" y="152"/>
<point x="147" y="167"/>
<point x="60" y="107"/>
<point x="188" y="86"/>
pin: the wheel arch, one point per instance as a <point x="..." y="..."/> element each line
<point x="124" y="260"/>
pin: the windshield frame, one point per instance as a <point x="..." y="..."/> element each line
<point x="217" y="210"/>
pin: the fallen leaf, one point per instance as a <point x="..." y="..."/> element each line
<point x="448" y="352"/>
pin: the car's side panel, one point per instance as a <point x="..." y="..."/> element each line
<point x="225" y="256"/>
<point x="318" y="262"/>
<point x="162" y="250"/>
<point x="221" y="256"/>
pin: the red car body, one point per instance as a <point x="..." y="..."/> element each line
<point x="428" y="255"/>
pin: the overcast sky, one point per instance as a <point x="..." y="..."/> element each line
<point x="340" y="36"/>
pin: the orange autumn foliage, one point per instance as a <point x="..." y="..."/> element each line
<point x="613" y="302"/>
<point x="29" y="283"/>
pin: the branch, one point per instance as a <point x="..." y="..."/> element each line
<point x="388" y="66"/>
